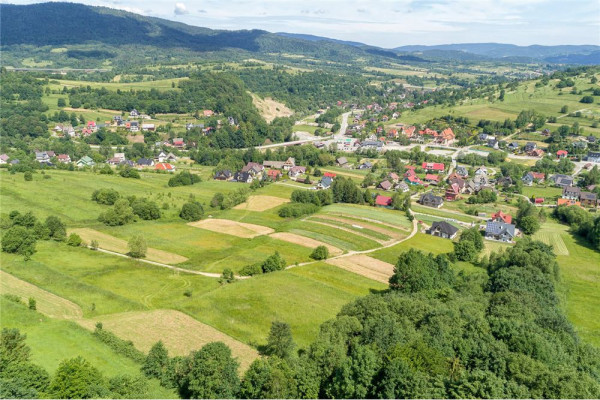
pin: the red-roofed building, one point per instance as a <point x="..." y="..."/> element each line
<point x="562" y="153"/>
<point x="410" y="172"/>
<point x="330" y="174"/>
<point x="208" y="113"/>
<point x="540" y="176"/>
<point x="408" y="131"/>
<point x="432" y="178"/>
<point x="428" y="132"/>
<point x="413" y="180"/>
<point x="274" y="174"/>
<point x="536" y="153"/>
<point x="567" y="202"/>
<point x="428" y="166"/>
<point x="164" y="167"/>
<point x="447" y="137"/>
<point x="64" y="158"/>
<point x="539" y="200"/>
<point x="383" y="201"/>
<point x="452" y="192"/>
<point x="501" y="217"/>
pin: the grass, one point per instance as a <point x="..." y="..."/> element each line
<point x="386" y="216"/>
<point x="442" y="213"/>
<point x="338" y="238"/>
<point x="540" y="191"/>
<point x="361" y="231"/>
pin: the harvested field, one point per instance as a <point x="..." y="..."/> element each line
<point x="355" y="231"/>
<point x="553" y="239"/>
<point x="117" y="245"/>
<point x="179" y="332"/>
<point x="388" y="232"/>
<point x="239" y="229"/>
<point x="46" y="302"/>
<point x="305" y="241"/>
<point x="261" y="203"/>
<point x="366" y="266"/>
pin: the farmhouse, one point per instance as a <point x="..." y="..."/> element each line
<point x="383" y="201"/>
<point x="289" y="163"/>
<point x="500" y="231"/>
<point x="442" y="229"/>
<point x="296" y="171"/>
<point x="385" y="185"/>
<point x="85" y="161"/>
<point x="243" y="177"/>
<point x="402" y="187"/>
<point x="571" y="192"/>
<point x="430" y="200"/>
<point x="64" y="158"/>
<point x="394" y="177"/>
<point x="223" y="175"/>
<point x="273" y="164"/>
<point x="429" y="166"/>
<point x="342" y="161"/>
<point x="274" y="174"/>
<point x="536" y="153"/>
<point x="254" y="169"/>
<point x="365" y="165"/>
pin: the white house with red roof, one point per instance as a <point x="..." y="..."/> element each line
<point x="562" y="154"/>
<point x="501" y="217"/>
<point x="164" y="167"/>
<point x="429" y="166"/>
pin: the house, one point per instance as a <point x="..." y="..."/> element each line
<point x="413" y="180"/>
<point x="530" y="146"/>
<point x="505" y="181"/>
<point x="500" y="231"/>
<point x="385" y="185"/>
<point x="571" y="192"/>
<point x="64" y="158"/>
<point x="562" y="154"/>
<point x="325" y="182"/>
<point x="501" y="217"/>
<point x="91" y="125"/>
<point x="383" y="201"/>
<point x="493" y="143"/>
<point x="432" y="178"/>
<point x="134" y="113"/>
<point x="113" y="161"/>
<point x="119" y="156"/>
<point x="289" y="163"/>
<point x="3" y="158"/>
<point x="442" y="229"/>
<point x="330" y="174"/>
<point x="562" y="180"/>
<point x="538" y="200"/>
<point x="446" y="137"/>
<point x="127" y="163"/>
<point x="243" y="177"/>
<point x="482" y="137"/>
<point x="85" y="161"/>
<point x="402" y="187"/>
<point x="164" y="167"/>
<point x="254" y="169"/>
<point x="178" y="143"/>
<point x="223" y="175"/>
<point x="430" y="200"/>
<point x="208" y="113"/>
<point x="532" y="176"/>
<point x="591" y="139"/>
<point x="161" y="157"/>
<point x="452" y="192"/>
<point x="394" y="177"/>
<point x="513" y="146"/>
<point x="14" y="161"/>
<point x="296" y="171"/>
<point x="273" y="164"/>
<point x="429" y="166"/>
<point x="567" y="202"/>
<point x="145" y="162"/>
<point x="462" y="171"/>
<point x="593" y="156"/>
<point x="274" y="174"/>
<point x="460" y="182"/>
<point x="148" y="127"/>
<point x="372" y="145"/>
<point x="588" y="199"/>
<point x="134" y="126"/>
<point x="342" y="161"/>
<point x="536" y="153"/>
<point x="170" y="158"/>
<point x="365" y="165"/>
<point x="191" y="126"/>
<point x="481" y="171"/>
<point x="579" y="145"/>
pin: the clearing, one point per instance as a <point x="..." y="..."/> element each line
<point x="261" y="203"/>
<point x="112" y="243"/>
<point x="179" y="332"/>
<point x="270" y="109"/>
<point x="239" y="229"/>
<point x="46" y="302"/>
<point x="554" y="239"/>
<point x="366" y="266"/>
<point x="305" y="241"/>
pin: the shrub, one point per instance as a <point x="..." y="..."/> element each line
<point x="28" y="176"/>
<point x="129" y="172"/>
<point x="120" y="214"/>
<point x="137" y="247"/>
<point x="105" y="196"/>
<point x="94" y="244"/>
<point x="184" y="178"/>
<point x="191" y="211"/>
<point x="74" y="240"/>
<point x="251" y="269"/>
<point x="295" y="210"/>
<point x="320" y="253"/>
<point x="32" y="304"/>
<point x="145" y="209"/>
<point x="19" y="240"/>
<point x="120" y="346"/>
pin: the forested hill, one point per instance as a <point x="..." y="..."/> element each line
<point x="80" y="28"/>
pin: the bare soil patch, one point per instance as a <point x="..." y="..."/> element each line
<point x="306" y="242"/>
<point x="239" y="229"/>
<point x="135" y="138"/>
<point x="112" y="243"/>
<point x="261" y="203"/>
<point x="366" y="266"/>
<point x="179" y="332"/>
<point x="270" y="109"/>
<point x="46" y="302"/>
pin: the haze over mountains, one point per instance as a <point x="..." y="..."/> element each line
<point x="70" y="24"/>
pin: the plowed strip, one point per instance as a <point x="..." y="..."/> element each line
<point x="366" y="266"/>
<point x="305" y="241"/>
<point x="234" y="228"/>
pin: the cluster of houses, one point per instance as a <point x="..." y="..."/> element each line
<point x="274" y="170"/>
<point x="446" y="137"/>
<point x="575" y="196"/>
<point x="499" y="227"/>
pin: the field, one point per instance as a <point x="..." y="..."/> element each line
<point x="305" y="241"/>
<point x="261" y="203"/>
<point x="234" y="228"/>
<point x="366" y="266"/>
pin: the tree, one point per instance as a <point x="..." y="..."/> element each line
<point x="212" y="374"/>
<point x="320" y="253"/>
<point x="227" y="276"/>
<point x="32" y="304"/>
<point x="280" y="342"/>
<point x="273" y="263"/>
<point x="416" y="271"/>
<point x="587" y="100"/>
<point x="465" y="250"/>
<point x="56" y="228"/>
<point x="137" y="246"/>
<point x="77" y="379"/>
<point x="529" y="224"/>
<point x="120" y="214"/>
<point x="564" y="109"/>
<point x="74" y="240"/>
<point x="269" y="378"/>
<point x="94" y="244"/>
<point x="61" y="102"/>
<point x="156" y="362"/>
<point x="105" y="196"/>
<point x="13" y="349"/>
<point x="28" y="176"/>
<point x="473" y="235"/>
<point x="192" y="211"/>
<point x="19" y="240"/>
<point x="145" y="209"/>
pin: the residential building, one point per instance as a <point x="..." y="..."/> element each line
<point x="530" y="146"/>
<point x="64" y="158"/>
<point x="562" y="154"/>
<point x="402" y="187"/>
<point x="342" y="161"/>
<point x="562" y="180"/>
<point x="571" y="192"/>
<point x="442" y="229"/>
<point x="296" y="171"/>
<point x="325" y="182"/>
<point x="223" y="175"/>
<point x="452" y="192"/>
<point x="164" y="167"/>
<point x="462" y="171"/>
<point x="594" y="156"/>
<point x="385" y="185"/>
<point x="145" y="162"/>
<point x="4" y="159"/>
<point x="588" y="199"/>
<point x="532" y="176"/>
<point x="85" y="161"/>
<point x="243" y="177"/>
<point x="500" y="231"/>
<point x="432" y="178"/>
<point x="430" y="200"/>
<point x="501" y="217"/>
<point x="383" y="201"/>
<point x="429" y="166"/>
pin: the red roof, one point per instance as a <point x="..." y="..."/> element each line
<point x="539" y="200"/>
<point x="164" y="166"/>
<point x="330" y="174"/>
<point x="504" y="217"/>
<point x="414" y="179"/>
<point x="432" y="177"/>
<point x="433" y="166"/>
<point x="538" y="175"/>
<point x="562" y="153"/>
<point x="273" y="173"/>
<point x="410" y="167"/>
<point x="383" y="200"/>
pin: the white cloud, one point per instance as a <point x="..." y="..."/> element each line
<point x="180" y="9"/>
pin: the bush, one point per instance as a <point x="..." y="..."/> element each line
<point x="273" y="263"/>
<point x="251" y="269"/>
<point x="320" y="253"/>
<point x="295" y="210"/>
<point x="94" y="244"/>
<point x="32" y="304"/>
<point x="74" y="240"/>
<point x="137" y="247"/>
<point x="146" y="209"/>
<point x="192" y="211"/>
<point x="56" y="228"/>
<point x="120" y="346"/>
<point x="19" y="240"/>
<point x="28" y="176"/>
<point x="184" y="178"/>
<point x="227" y="276"/>
<point x="105" y="196"/>
<point x="129" y="172"/>
<point x="120" y="214"/>
<point x="483" y="196"/>
<point x="587" y="100"/>
<point x="465" y="250"/>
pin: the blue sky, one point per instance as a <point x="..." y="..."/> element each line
<point x="389" y="23"/>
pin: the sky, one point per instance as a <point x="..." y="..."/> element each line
<point x="388" y="23"/>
